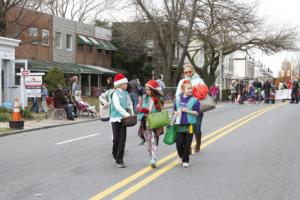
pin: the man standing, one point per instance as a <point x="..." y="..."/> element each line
<point x="258" y="87"/>
<point x="295" y="91"/>
<point x="267" y="89"/>
<point x="133" y="89"/>
<point x="161" y="82"/>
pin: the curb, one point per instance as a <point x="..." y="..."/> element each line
<point x="44" y="127"/>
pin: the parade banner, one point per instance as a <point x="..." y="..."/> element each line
<point x="283" y="94"/>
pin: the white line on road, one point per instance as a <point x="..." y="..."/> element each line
<point x="76" y="139"/>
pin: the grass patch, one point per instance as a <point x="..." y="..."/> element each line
<point x="5" y="130"/>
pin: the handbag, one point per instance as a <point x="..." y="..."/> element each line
<point x="171" y="135"/>
<point x="207" y="104"/>
<point x="129" y="121"/>
<point x="158" y="119"/>
<point x="104" y="113"/>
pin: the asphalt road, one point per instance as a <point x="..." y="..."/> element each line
<point x="258" y="157"/>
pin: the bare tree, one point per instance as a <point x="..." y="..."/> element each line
<point x="79" y="10"/>
<point x="228" y="26"/>
<point x="172" y="25"/>
<point x="12" y="12"/>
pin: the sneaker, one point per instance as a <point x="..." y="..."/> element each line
<point x="121" y="165"/>
<point x="153" y="164"/>
<point x="185" y="165"/>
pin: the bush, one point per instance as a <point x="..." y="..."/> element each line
<point x="4" y="117"/>
<point x="26" y="114"/>
<point x="54" y="77"/>
<point x="5" y="114"/>
<point x="5" y="110"/>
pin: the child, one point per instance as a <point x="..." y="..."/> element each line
<point x="120" y="106"/>
<point x="251" y="94"/>
<point x="152" y="102"/>
<point x="187" y="108"/>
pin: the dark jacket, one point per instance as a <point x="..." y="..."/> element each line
<point x="257" y="84"/>
<point x="267" y="87"/>
<point x="295" y="86"/>
<point x="59" y="99"/>
<point x="133" y="87"/>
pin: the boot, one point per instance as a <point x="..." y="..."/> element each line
<point x="198" y="143"/>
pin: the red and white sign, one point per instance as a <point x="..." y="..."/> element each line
<point x="25" y="73"/>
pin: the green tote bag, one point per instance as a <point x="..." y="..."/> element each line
<point x="158" y="120"/>
<point x="171" y="135"/>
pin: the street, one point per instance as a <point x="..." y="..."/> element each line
<point x="248" y="152"/>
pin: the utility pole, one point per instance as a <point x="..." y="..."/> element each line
<point x="221" y="73"/>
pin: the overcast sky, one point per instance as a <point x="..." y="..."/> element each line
<point x="277" y="12"/>
<point x="280" y="12"/>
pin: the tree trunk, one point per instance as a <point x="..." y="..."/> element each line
<point x="2" y="19"/>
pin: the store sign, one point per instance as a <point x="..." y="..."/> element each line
<point x="33" y="85"/>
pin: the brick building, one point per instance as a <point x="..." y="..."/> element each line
<point x="75" y="48"/>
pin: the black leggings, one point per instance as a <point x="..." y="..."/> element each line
<point x="119" y="140"/>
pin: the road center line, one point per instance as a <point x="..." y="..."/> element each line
<point x="144" y="171"/>
<point x="76" y="139"/>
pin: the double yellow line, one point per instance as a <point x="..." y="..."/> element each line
<point x="207" y="140"/>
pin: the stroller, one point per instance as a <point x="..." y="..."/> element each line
<point x="84" y="108"/>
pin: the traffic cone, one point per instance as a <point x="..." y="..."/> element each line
<point x="16" y="119"/>
<point x="16" y="115"/>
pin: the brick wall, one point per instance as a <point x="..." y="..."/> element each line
<point x="28" y="50"/>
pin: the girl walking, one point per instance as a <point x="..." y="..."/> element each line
<point x="152" y="102"/>
<point x="120" y="107"/>
<point x="187" y="108"/>
<point x="191" y="75"/>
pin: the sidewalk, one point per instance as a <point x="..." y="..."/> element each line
<point x="32" y="125"/>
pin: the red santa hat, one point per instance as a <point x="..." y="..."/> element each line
<point x="154" y="85"/>
<point x="120" y="79"/>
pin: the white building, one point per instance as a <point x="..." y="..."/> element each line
<point x="9" y="90"/>
<point x="262" y="73"/>
<point x="244" y="66"/>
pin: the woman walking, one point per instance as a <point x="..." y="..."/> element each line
<point x="191" y="75"/>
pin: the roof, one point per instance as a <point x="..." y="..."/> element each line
<point x="68" y="68"/>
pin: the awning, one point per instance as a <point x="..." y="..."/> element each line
<point x="67" y="68"/>
<point x="83" y="40"/>
<point x="104" y="70"/>
<point x="110" y="45"/>
<point x="100" y="44"/>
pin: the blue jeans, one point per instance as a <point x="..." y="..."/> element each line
<point x="198" y="125"/>
<point x="68" y="110"/>
<point x="134" y="98"/>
